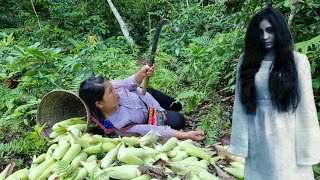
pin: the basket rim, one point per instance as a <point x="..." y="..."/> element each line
<point x="38" y="116"/>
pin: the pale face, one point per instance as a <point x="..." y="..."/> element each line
<point x="110" y="100"/>
<point x="266" y="34"/>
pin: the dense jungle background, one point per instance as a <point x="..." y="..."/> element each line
<point x="56" y="44"/>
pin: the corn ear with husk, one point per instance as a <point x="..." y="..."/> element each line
<point x="170" y="144"/>
<point x="64" y="136"/>
<point x="37" y="171"/>
<point x="110" y="157"/>
<point x="80" y="127"/>
<point x="82" y="173"/>
<point x="180" y="156"/>
<point x="190" y="159"/>
<point x="39" y="159"/>
<point x="205" y="175"/>
<point x="91" y="158"/>
<point x="123" y="172"/>
<point x="4" y="173"/>
<point x="101" y="139"/>
<point x="47" y="172"/>
<point x="162" y="155"/>
<point x="80" y="141"/>
<point x="197" y="153"/>
<point x="68" y="122"/>
<point x="183" y="169"/>
<point x="80" y="157"/>
<point x="143" y="177"/>
<point x="131" y="141"/>
<point x="139" y="152"/>
<point x="237" y="165"/>
<point x="53" y="176"/>
<point x="150" y="138"/>
<point x="194" y="177"/>
<point x="190" y="163"/>
<point x="21" y="174"/>
<point x="237" y="172"/>
<point x="129" y="158"/>
<point x="61" y="150"/>
<point x="92" y="168"/>
<point x="213" y="160"/>
<point x="71" y="153"/>
<point x="148" y="160"/>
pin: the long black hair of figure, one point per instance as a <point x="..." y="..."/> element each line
<point x="90" y="91"/>
<point x="283" y="79"/>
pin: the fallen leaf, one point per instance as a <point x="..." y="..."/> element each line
<point x="225" y="139"/>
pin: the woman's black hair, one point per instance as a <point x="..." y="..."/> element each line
<point x="283" y="80"/>
<point x="90" y="91"/>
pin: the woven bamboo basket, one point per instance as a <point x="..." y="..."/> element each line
<point x="59" y="105"/>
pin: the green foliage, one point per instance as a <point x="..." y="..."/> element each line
<point x="31" y="143"/>
<point x="191" y="98"/>
<point x="316" y="169"/>
<point x="216" y="123"/>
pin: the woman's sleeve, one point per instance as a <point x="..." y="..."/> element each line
<point x="164" y="131"/>
<point x="239" y="130"/>
<point x="307" y="125"/>
<point x="130" y="83"/>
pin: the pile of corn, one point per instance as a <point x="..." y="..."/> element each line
<point x="73" y="155"/>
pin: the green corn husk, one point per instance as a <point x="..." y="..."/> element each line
<point x="61" y="150"/>
<point x="91" y="158"/>
<point x="48" y="171"/>
<point x="129" y="158"/>
<point x="148" y="160"/>
<point x="110" y="157"/>
<point x="4" y="172"/>
<point x="82" y="174"/>
<point x="117" y="172"/>
<point x="237" y="165"/>
<point x="143" y="177"/>
<point x="131" y="141"/>
<point x="170" y="144"/>
<point x="213" y="160"/>
<point x="205" y="175"/>
<point x="194" y="177"/>
<point x="197" y="153"/>
<point x="40" y="159"/>
<point x="237" y="172"/>
<point x="53" y="177"/>
<point x="71" y="153"/>
<point x="37" y="171"/>
<point x="80" y="141"/>
<point x="180" y="156"/>
<point x="80" y="157"/>
<point x="68" y="122"/>
<point x="21" y="174"/>
<point x="150" y="138"/>
<point x="92" y="168"/>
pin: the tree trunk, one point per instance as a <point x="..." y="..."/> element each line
<point x="121" y="23"/>
<point x="293" y="11"/>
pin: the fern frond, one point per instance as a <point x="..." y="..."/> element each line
<point x="74" y="86"/>
<point x="14" y="146"/>
<point x="305" y="45"/>
<point x="202" y="40"/>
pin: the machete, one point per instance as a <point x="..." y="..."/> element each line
<point x="153" y="51"/>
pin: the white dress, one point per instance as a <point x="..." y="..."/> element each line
<point x="277" y="146"/>
<point x="272" y="149"/>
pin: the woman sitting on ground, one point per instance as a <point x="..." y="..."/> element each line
<point x="119" y="103"/>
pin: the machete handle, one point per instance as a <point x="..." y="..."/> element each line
<point x="145" y="85"/>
